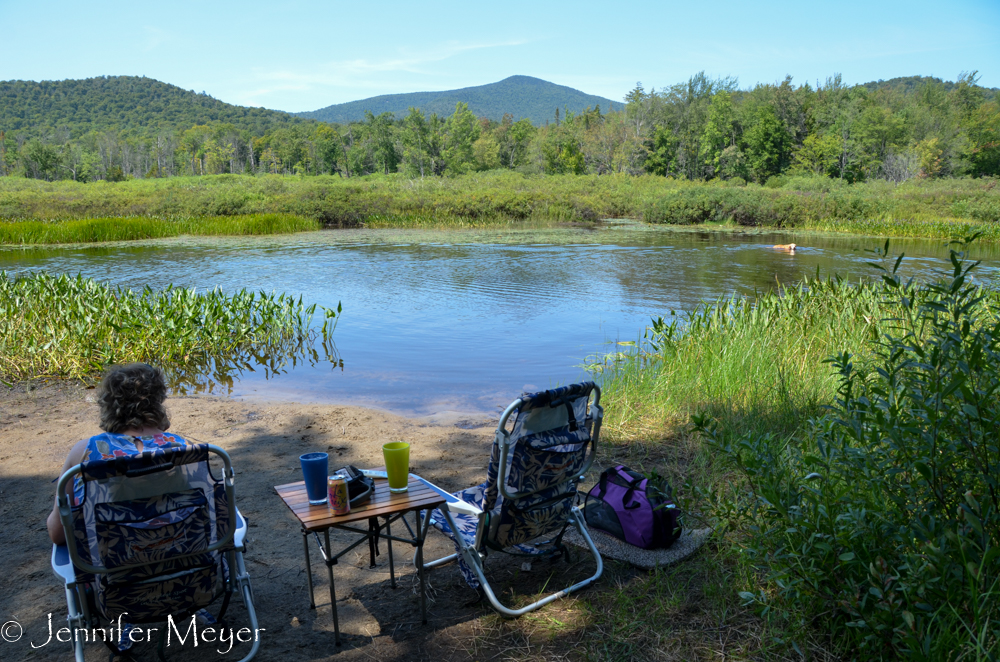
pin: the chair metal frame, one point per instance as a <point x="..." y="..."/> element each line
<point x="473" y="555"/>
<point x="66" y="561"/>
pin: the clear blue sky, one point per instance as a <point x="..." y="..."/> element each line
<point x="306" y="54"/>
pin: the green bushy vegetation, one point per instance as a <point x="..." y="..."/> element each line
<point x="89" y="230"/>
<point x="58" y="326"/>
<point x="751" y="363"/>
<point x="845" y="448"/>
<point x="122" y="103"/>
<point x="943" y="208"/>
<point x="701" y="129"/>
<point x="268" y="203"/>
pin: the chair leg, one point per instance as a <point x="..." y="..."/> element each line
<point x="243" y="582"/>
<point x="75" y="620"/>
<point x="474" y="561"/>
<point x="441" y="561"/>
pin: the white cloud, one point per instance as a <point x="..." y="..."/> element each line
<point x="154" y="37"/>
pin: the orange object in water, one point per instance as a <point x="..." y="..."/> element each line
<point x="784" y="247"/>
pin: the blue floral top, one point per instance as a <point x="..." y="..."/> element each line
<point x="109" y="445"/>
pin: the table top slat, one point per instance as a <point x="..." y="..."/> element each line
<point x="419" y="496"/>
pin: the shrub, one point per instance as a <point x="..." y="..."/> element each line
<point x="883" y="518"/>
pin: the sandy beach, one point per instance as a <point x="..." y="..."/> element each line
<point x="265" y="439"/>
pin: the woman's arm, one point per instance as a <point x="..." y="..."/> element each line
<point x="54" y="524"/>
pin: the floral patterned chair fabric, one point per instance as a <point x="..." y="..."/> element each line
<point x="532" y="480"/>
<point x="154" y="535"/>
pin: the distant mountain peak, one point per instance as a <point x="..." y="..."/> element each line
<point x="521" y="96"/>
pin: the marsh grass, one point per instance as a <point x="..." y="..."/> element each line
<point x="756" y="364"/>
<point x="92" y="230"/>
<point x="752" y="363"/>
<point x="924" y="208"/>
<point x="879" y="522"/>
<point x="887" y="226"/>
<point x="59" y="326"/>
<point x="844" y="447"/>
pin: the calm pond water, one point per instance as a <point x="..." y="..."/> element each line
<point x="463" y="321"/>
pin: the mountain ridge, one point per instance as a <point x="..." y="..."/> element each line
<point x="122" y="103"/>
<point x="524" y="97"/>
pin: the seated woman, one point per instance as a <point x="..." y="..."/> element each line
<point x="133" y="418"/>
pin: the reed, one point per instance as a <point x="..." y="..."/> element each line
<point x="60" y="326"/>
<point x="92" y="230"/>
<point x="752" y="363"/>
<point x="844" y="447"/>
<point x="924" y="208"/>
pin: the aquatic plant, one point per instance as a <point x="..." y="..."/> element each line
<point x="129" y="228"/>
<point x="61" y="326"/>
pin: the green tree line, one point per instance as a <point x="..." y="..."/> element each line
<point x="701" y="129"/>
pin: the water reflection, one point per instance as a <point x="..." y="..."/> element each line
<point x="464" y="320"/>
<point x="220" y="375"/>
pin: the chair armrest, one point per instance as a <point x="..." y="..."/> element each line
<point x="62" y="565"/>
<point x="241" y="530"/>
<point x="452" y="502"/>
<point x="456" y="505"/>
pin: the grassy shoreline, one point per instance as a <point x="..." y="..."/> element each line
<point x="939" y="209"/>
<point x="133" y="228"/>
<point x="754" y="376"/>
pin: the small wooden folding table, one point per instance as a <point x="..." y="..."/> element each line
<point x="420" y="496"/>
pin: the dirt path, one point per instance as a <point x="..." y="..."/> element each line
<point x="38" y="427"/>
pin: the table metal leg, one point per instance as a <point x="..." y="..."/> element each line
<point x="388" y="542"/>
<point x="333" y="594"/>
<point x="309" y="576"/>
<point x="372" y="532"/>
<point x="422" y="535"/>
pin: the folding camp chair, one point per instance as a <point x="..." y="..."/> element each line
<point x="530" y="490"/>
<point x="156" y="537"/>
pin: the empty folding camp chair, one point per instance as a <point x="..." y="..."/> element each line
<point x="157" y="535"/>
<point x="530" y="489"/>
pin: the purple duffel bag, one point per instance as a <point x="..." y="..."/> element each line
<point x="625" y="505"/>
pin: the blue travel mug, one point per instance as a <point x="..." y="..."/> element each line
<point x="315" y="467"/>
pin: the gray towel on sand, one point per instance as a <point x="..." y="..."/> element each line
<point x="611" y="547"/>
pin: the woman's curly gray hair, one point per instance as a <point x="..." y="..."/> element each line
<point x="131" y="398"/>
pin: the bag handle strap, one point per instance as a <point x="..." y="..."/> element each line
<point x="628" y="503"/>
<point x="571" y="415"/>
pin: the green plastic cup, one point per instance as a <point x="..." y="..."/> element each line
<point x="397" y="465"/>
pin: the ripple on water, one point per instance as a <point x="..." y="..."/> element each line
<point x="461" y="321"/>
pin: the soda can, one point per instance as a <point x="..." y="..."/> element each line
<point x="340" y="501"/>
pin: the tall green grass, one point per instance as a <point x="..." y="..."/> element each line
<point x="90" y="230"/>
<point x="844" y="445"/>
<point x="879" y="523"/>
<point x="75" y="327"/>
<point x="926" y="208"/>
<point x="752" y="363"/>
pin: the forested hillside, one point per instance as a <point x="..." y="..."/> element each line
<point x="699" y="129"/>
<point x="914" y="83"/>
<point x="522" y="97"/>
<point x="75" y="107"/>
